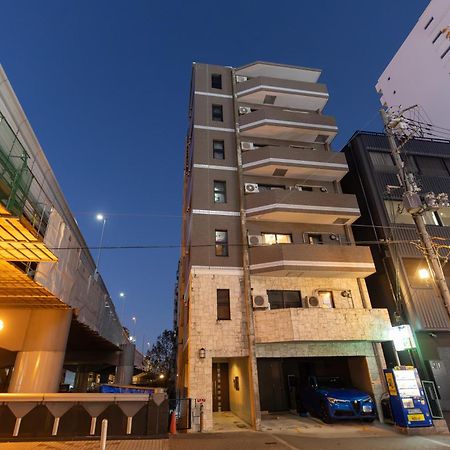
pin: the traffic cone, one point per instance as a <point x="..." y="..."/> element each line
<point x="173" y="423"/>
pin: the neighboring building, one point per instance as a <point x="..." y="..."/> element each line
<point x="271" y="286"/>
<point x="55" y="311"/>
<point x="397" y="284"/>
<point x="419" y="72"/>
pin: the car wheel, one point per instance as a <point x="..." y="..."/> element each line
<point x="325" y="414"/>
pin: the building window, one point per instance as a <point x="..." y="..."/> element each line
<point x="380" y="159"/>
<point x="270" y="187"/>
<point x="314" y="238"/>
<point x="397" y="213"/>
<point x="218" y="149"/>
<point x="216" y="81"/>
<point x="276" y="238"/>
<point x="217" y="113"/>
<point x="445" y="53"/>
<point x="437" y="37"/>
<point x="220" y="192"/>
<point x="221" y="243"/>
<point x="284" y="299"/>
<point x="326" y="299"/>
<point x="429" y="165"/>
<point x="428" y="23"/>
<point x="223" y="304"/>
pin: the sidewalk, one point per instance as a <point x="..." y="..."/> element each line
<point x="135" y="444"/>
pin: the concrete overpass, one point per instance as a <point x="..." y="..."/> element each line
<point x="55" y="310"/>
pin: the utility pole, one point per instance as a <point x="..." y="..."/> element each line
<point x="414" y="204"/>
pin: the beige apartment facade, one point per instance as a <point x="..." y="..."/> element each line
<point x="271" y="284"/>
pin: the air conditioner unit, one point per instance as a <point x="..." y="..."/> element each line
<point x="244" y="110"/>
<point x="312" y="302"/>
<point x="247" y="146"/>
<point x="251" y="188"/>
<point x="260" y="301"/>
<point x="241" y="78"/>
<point x="255" y="239"/>
<point x="323" y="189"/>
<point x="334" y="237"/>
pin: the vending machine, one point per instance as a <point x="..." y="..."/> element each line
<point x="408" y="404"/>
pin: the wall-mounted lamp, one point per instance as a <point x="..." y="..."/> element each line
<point x="423" y="273"/>
<point x="202" y="353"/>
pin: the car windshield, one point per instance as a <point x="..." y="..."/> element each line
<point x="330" y="382"/>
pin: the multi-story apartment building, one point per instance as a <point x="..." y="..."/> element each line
<point x="55" y="310"/>
<point x="271" y="285"/>
<point x="418" y="73"/>
<point x="402" y="282"/>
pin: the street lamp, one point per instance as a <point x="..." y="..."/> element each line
<point x="134" y="321"/>
<point x="122" y="296"/>
<point x="100" y="218"/>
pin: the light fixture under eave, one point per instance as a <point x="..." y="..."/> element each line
<point x="2" y="325"/>
<point x="424" y="274"/>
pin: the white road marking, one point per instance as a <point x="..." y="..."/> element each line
<point x="282" y="441"/>
<point x="436" y="442"/>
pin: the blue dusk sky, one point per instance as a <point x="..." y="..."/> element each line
<point x="105" y="85"/>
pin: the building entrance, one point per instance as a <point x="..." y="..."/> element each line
<point x="221" y="390"/>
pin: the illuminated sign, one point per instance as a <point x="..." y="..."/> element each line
<point x="402" y="337"/>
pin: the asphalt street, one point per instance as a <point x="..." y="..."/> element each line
<point x="290" y="441"/>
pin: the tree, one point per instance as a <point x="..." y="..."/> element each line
<point x="160" y="360"/>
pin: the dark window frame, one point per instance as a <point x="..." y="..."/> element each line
<point x="221" y="247"/>
<point x="220" y="191"/>
<point x="216" y="81"/>
<point x="217" y="113"/>
<point x="219" y="150"/>
<point x="223" y="304"/>
<point x="284" y="294"/>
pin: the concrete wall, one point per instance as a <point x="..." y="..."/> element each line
<point x="220" y="338"/>
<point x="417" y="75"/>
<point x="240" y="399"/>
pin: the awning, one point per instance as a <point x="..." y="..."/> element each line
<point x="20" y="242"/>
<point x="17" y="290"/>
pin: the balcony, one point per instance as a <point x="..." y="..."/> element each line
<point x="283" y="93"/>
<point x="344" y="261"/>
<point x="280" y="71"/>
<point x="317" y="324"/>
<point x="298" y="163"/>
<point x="302" y="207"/>
<point x="272" y="123"/>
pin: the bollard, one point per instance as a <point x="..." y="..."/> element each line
<point x="55" y="426"/>
<point x="104" y="434"/>
<point x="201" y="417"/>
<point x="173" y="423"/>
<point x="17" y="426"/>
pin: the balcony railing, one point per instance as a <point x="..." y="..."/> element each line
<point x="344" y="261"/>
<point x="284" y="93"/>
<point x="320" y="324"/>
<point x="298" y="163"/>
<point x="273" y="123"/>
<point x="302" y="207"/>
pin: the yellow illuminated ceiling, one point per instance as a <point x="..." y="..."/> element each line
<point x="20" y="242"/>
<point x="19" y="290"/>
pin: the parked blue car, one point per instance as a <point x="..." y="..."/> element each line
<point x="328" y="399"/>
